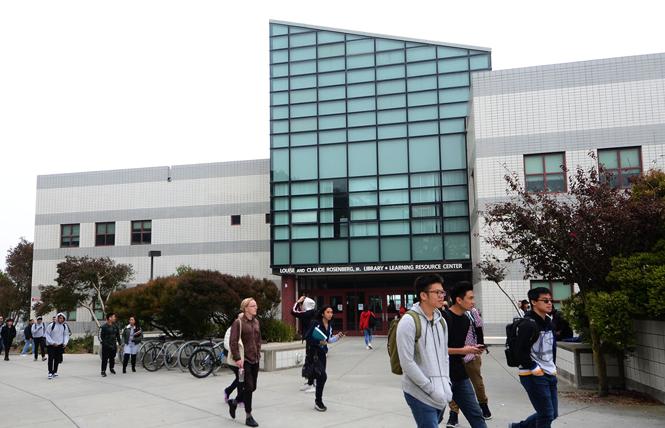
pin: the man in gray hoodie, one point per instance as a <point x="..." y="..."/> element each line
<point x="425" y="382"/>
<point x="57" y="337"/>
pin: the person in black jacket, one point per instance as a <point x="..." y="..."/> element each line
<point x="305" y="310"/>
<point x="109" y="337"/>
<point x="536" y="352"/>
<point x="27" y="337"/>
<point x="8" y="334"/>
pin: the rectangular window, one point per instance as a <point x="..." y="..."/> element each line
<point x="69" y="235"/>
<point x="268" y="218"/>
<point x="104" y="234"/>
<point x="623" y="165"/>
<point x="545" y="172"/>
<point x="235" y="220"/>
<point x="141" y="232"/>
<point x="559" y="289"/>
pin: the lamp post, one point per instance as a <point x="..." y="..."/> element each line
<point x="152" y="255"/>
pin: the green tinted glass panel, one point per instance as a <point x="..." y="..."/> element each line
<point x="423" y="128"/>
<point x="420" y="54"/>
<point x="326" y="231"/>
<point x="329" y="137"/>
<point x="452" y="80"/>
<point x="360" y="184"/>
<point x="361" y="104"/>
<point x="394" y="249"/>
<point x="360" y="61"/>
<point x="422" y="83"/>
<point x="390" y="101"/>
<point x="360" y="214"/>
<point x="332" y="107"/>
<point x="336" y="49"/>
<point x="395" y="228"/>
<point x="560" y="291"/>
<point x="422" y="98"/>
<point x="456" y="225"/>
<point x="425" y="180"/>
<point x="390" y="87"/>
<point x="423" y="154"/>
<point x="304" y="202"/>
<point x="278" y="29"/>
<point x="279" y="42"/>
<point x="424" y="227"/>
<point x="479" y="62"/>
<point x="445" y="51"/>
<point x="334" y="251"/>
<point x="387" y="44"/>
<point x="305" y="67"/>
<point x="280" y="165"/>
<point x="332" y="93"/>
<point x="364" y="250"/>
<point x="533" y="164"/>
<point x="279" y="56"/>
<point x="390" y="116"/>
<point x="329" y="36"/>
<point x="362" y="119"/>
<point x="303" y="217"/>
<point x="332" y="161"/>
<point x="279" y="112"/>
<point x="364" y="229"/>
<point x="453" y="110"/>
<point x="326" y="216"/>
<point x="391" y="57"/>
<point x="279" y="84"/>
<point x="280" y="98"/>
<point x="326" y="202"/>
<point x="279" y="140"/>
<point x="452" y="178"/>
<point x="303" y="82"/>
<point x="453" y="95"/>
<point x="280" y="253"/>
<point x="359" y="76"/>
<point x="421" y="68"/>
<point x="394" y="197"/>
<point x="392" y="131"/>
<point x="331" y="79"/>
<point x="302" y="39"/>
<point x="394" y="213"/>
<point x="362" y="199"/>
<point x="280" y="204"/>
<point x="308" y="124"/>
<point x="425" y="210"/>
<point x="392" y="157"/>
<point x="457" y="247"/>
<point x="303" y="163"/>
<point x="361" y="134"/>
<point x="360" y="46"/>
<point x="331" y="64"/>
<point x="454" y="209"/>
<point x="305" y="252"/>
<point x="302" y="110"/>
<point x="606" y="158"/>
<point x="451" y="65"/>
<point x="389" y="72"/>
<point x="304" y="188"/>
<point x="425" y="195"/>
<point x="427" y="247"/>
<point x="281" y="233"/>
<point x="331" y="122"/>
<point x="300" y="54"/>
<point x="279" y="126"/>
<point x="630" y="158"/>
<point x="554" y="162"/>
<point x="455" y="193"/>
<point x="453" y="152"/>
<point x="362" y="159"/>
<point x="303" y="96"/>
<point x="360" y="90"/>
<point x="303" y="139"/>
<point x="281" y="218"/>
<point x="394" y="181"/>
<point x="424" y="113"/>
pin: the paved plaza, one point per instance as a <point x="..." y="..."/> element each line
<point x="361" y="392"/>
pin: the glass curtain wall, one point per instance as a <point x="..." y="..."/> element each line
<point x="368" y="148"/>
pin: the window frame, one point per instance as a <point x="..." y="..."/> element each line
<point x="105" y="235"/>
<point x="70" y="236"/>
<point x="564" y="169"/>
<point x="548" y="283"/>
<point x="143" y="231"/>
<point x="619" y="171"/>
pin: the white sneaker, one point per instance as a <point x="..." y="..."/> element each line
<point x="370" y="346"/>
<point x="50" y="376"/>
<point x="55" y="375"/>
<point x="367" y="347"/>
<point x="305" y="387"/>
<point x="311" y="389"/>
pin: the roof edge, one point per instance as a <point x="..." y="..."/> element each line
<point x="383" y="36"/>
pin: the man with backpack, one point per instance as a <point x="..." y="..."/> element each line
<point x="305" y="310"/>
<point x="57" y="337"/>
<point x="422" y="353"/>
<point x="459" y="326"/>
<point x="39" y="337"/>
<point x="532" y="346"/>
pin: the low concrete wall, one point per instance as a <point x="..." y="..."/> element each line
<point x="574" y="362"/>
<point x="645" y="368"/>
<point x="277" y="356"/>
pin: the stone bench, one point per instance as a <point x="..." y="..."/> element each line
<point x="277" y="356"/>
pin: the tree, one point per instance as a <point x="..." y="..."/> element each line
<point x="84" y="281"/>
<point x="10" y="298"/>
<point x="573" y="237"/>
<point x="19" y="271"/>
<point x="492" y="270"/>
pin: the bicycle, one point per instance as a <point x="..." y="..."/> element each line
<point x="208" y="357"/>
<point x="162" y="353"/>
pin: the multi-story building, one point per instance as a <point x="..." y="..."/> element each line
<point x="208" y="216"/>
<point x="534" y="120"/>
<point x="368" y="165"/>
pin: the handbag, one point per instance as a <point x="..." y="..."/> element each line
<point x="241" y="347"/>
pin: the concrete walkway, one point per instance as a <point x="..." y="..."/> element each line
<point x="361" y="392"/>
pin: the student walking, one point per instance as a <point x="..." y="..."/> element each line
<point x="27" y="337"/>
<point x="245" y="344"/>
<point x="472" y="364"/>
<point x="2" y="326"/>
<point x="536" y="351"/>
<point x="458" y="329"/>
<point x="7" y="336"/>
<point x="319" y="337"/>
<point x="38" y="331"/>
<point x="131" y="337"/>
<point x="424" y="362"/>
<point x="367" y="322"/>
<point x="57" y="337"/>
<point x="305" y="310"/>
<point x="229" y="361"/>
<point x="109" y="337"/>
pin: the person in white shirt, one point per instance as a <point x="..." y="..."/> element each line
<point x="57" y="337"/>
<point x="39" y="338"/>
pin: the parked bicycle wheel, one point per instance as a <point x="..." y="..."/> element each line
<point x="152" y="360"/>
<point x="185" y="352"/>
<point x="171" y="354"/>
<point x="202" y="363"/>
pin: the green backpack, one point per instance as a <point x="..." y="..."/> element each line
<point x="395" y="366"/>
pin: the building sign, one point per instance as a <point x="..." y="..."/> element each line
<point x="373" y="268"/>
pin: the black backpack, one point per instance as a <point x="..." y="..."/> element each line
<point x="512" y="331"/>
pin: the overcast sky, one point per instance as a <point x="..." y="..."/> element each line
<point x="91" y="85"/>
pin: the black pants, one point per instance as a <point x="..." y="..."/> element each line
<point x="39" y="342"/>
<point x="309" y="357"/>
<point x="108" y="356"/>
<point x="249" y="386"/>
<point x="7" y="346"/>
<point x="54" y="357"/>
<point x="125" y="361"/>
<point x="320" y="375"/>
<point x="229" y="389"/>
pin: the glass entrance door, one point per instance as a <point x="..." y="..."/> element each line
<point x="355" y="304"/>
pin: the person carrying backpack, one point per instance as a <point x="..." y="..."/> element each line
<point x="57" y="337"/>
<point x="534" y="350"/>
<point x="305" y="310"/>
<point x="367" y="323"/>
<point x="422" y="346"/>
<point x="39" y="338"/>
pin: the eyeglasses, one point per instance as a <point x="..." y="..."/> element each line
<point x="439" y="293"/>
<point x="546" y="300"/>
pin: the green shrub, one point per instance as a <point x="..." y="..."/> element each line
<point x="81" y="345"/>
<point x="274" y="330"/>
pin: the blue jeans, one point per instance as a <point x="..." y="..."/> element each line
<point x="465" y="397"/>
<point x="27" y="346"/>
<point x="368" y="336"/>
<point x="542" y="392"/>
<point x="425" y="415"/>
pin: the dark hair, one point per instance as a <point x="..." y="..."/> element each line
<point x="136" y="322"/>
<point x="535" y="293"/>
<point x="524" y="302"/>
<point x="422" y="283"/>
<point x="319" y="315"/>
<point x="459" y="290"/>
<point x="109" y="315"/>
